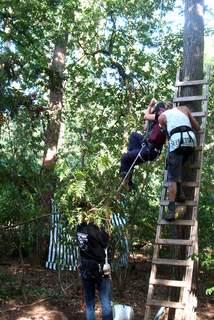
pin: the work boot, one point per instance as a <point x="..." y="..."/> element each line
<point x="180" y="196"/>
<point x="170" y="212"/>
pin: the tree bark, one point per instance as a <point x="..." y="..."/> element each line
<point x="193" y="58"/>
<point x="192" y="69"/>
<point x="52" y="134"/>
<point x="193" y="42"/>
<point x="55" y="104"/>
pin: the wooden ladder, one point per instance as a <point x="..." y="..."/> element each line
<point x="169" y="272"/>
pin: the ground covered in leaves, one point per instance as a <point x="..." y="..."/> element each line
<point x="34" y="293"/>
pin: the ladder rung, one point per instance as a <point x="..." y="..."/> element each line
<point x="199" y="114"/>
<point x="190" y="83"/>
<point x="178" y="222"/>
<point x="168" y="283"/>
<point x="190" y="203"/>
<point x="179" y="242"/>
<point x="165" y="303"/>
<point x="186" y="166"/>
<point x="191" y="98"/>
<point x="172" y="262"/>
<point x="186" y="184"/>
<point x="193" y="166"/>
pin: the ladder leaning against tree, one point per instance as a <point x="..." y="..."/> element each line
<point x="176" y="242"/>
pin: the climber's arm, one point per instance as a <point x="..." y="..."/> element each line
<point x="162" y="120"/>
<point x="148" y="113"/>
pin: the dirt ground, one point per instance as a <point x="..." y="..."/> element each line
<point x="34" y="293"/>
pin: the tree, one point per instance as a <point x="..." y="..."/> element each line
<point x="192" y="69"/>
<point x="116" y="59"/>
<point x="193" y="57"/>
<point x="193" y="44"/>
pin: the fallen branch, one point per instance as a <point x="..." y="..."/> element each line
<point x="18" y="307"/>
<point x="3" y="228"/>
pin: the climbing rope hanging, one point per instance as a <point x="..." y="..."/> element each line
<point x="133" y="163"/>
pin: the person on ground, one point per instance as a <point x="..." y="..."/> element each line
<point x="147" y="146"/>
<point x="94" y="269"/>
<point x="179" y="123"/>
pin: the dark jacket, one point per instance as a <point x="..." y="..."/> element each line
<point x="92" y="241"/>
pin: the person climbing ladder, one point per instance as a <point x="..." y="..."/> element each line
<point x="147" y="146"/>
<point x="179" y="124"/>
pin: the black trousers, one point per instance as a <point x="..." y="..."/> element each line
<point x="137" y="143"/>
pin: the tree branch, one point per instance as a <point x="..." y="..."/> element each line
<point x="3" y="228"/>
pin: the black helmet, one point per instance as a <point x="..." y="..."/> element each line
<point x="159" y="105"/>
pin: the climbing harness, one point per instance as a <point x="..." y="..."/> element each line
<point x="181" y="130"/>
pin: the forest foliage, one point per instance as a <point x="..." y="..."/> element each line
<point x="118" y="55"/>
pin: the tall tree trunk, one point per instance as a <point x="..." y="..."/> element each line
<point x="193" y="57"/>
<point x="192" y="69"/>
<point x="193" y="41"/>
<point x="52" y="133"/>
<point x="55" y="104"/>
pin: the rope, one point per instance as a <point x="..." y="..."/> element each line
<point x="133" y="163"/>
<point x="146" y="134"/>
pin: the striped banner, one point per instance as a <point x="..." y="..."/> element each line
<point x="122" y="247"/>
<point x="63" y="251"/>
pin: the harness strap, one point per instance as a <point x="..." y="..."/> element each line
<point x="153" y="147"/>
<point x="180" y="130"/>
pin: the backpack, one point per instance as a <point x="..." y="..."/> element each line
<point x="157" y="135"/>
<point x="92" y="242"/>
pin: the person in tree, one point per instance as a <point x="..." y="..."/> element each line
<point x="179" y="123"/>
<point x="147" y="146"/>
<point x="94" y="268"/>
